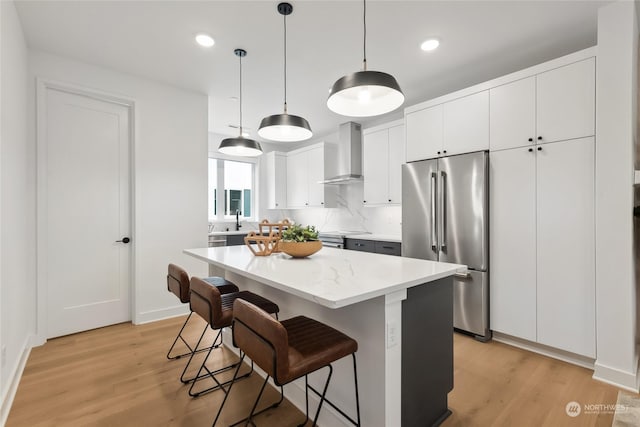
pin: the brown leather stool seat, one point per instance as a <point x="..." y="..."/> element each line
<point x="217" y="310"/>
<point x="178" y="283"/>
<point x="289" y="350"/>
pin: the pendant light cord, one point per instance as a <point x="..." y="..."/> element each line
<point x="240" y="95"/>
<point x="364" y="44"/>
<point x="285" y="63"/>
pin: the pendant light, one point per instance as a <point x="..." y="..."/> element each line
<point x="365" y="93"/>
<point x="285" y="127"/>
<point x="240" y="146"/>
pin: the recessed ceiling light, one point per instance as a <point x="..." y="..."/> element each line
<point x="430" y="44"/>
<point x="205" y="40"/>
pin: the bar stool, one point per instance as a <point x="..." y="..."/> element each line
<point x="289" y="350"/>
<point x="178" y="283"/>
<point x="217" y="310"/>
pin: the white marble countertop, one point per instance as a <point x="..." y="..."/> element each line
<point x="331" y="277"/>
<point x="378" y="237"/>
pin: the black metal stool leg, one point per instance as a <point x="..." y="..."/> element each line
<point x="339" y="410"/>
<point x="184" y="371"/>
<point x="324" y="392"/>
<point x="253" y="414"/>
<point x="212" y="375"/>
<point x="355" y="379"/>
<point x="179" y="336"/>
<point x="226" y="395"/>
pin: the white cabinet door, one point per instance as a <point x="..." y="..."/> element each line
<point x="376" y="167"/>
<point x="466" y="124"/>
<point x="566" y="102"/>
<point x="297" y="182"/>
<point x="275" y="178"/>
<point x="280" y="184"/>
<point x="315" y="174"/>
<point x="424" y="133"/>
<point x="396" y="160"/>
<point x="566" y="246"/>
<point x="513" y="242"/>
<point x="512" y="114"/>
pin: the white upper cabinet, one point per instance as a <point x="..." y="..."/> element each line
<point x="275" y="177"/>
<point x="455" y="127"/>
<point x="424" y="133"/>
<point x="396" y="160"/>
<point x="376" y="167"/>
<point x="315" y="174"/>
<point x="297" y="190"/>
<point x="512" y="114"/>
<point x="566" y="102"/>
<point x="383" y="158"/>
<point x="306" y="167"/>
<point x="466" y="124"/>
<point x="556" y="105"/>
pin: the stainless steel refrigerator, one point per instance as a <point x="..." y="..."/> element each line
<point x="445" y="217"/>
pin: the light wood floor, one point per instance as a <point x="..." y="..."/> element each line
<point x="118" y="376"/>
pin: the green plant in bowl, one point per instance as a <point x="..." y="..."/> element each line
<point x="298" y="233"/>
<point x="300" y="242"/>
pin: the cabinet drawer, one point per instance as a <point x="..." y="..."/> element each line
<point x="389" y="248"/>
<point x="360" y="245"/>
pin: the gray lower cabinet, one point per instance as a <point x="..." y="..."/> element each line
<point x="235" y="239"/>
<point x="389" y="248"/>
<point x="360" y="245"/>
<point x="375" y="246"/>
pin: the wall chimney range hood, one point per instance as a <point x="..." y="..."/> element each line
<point x="349" y="159"/>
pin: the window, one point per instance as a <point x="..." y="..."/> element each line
<point x="231" y="189"/>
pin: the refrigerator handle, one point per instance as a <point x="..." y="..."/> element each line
<point x="443" y="213"/>
<point x="434" y="213"/>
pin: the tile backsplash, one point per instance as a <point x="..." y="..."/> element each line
<point x="350" y="214"/>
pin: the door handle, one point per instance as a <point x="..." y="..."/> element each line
<point x="434" y="218"/>
<point x="443" y="210"/>
<point x="462" y="275"/>
<point x="124" y="240"/>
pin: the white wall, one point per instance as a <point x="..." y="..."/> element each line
<point x="170" y="173"/>
<point x="617" y="358"/>
<point x="17" y="249"/>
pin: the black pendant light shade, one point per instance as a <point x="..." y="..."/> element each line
<point x="285" y="127"/>
<point x="240" y="146"/>
<point x="365" y="93"/>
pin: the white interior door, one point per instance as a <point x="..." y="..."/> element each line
<point x="86" y="197"/>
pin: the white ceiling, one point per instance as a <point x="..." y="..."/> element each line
<point x="155" y="39"/>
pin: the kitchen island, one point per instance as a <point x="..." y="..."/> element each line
<point x="398" y="309"/>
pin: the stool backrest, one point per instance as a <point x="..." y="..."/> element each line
<point x="178" y="282"/>
<point x="206" y="301"/>
<point x="262" y="338"/>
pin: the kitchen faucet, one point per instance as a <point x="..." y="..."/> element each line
<point x="238" y="225"/>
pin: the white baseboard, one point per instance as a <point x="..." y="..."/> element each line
<point x="294" y="392"/>
<point x="616" y="377"/>
<point x="160" y="314"/>
<point x="565" y="356"/>
<point x="14" y="380"/>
